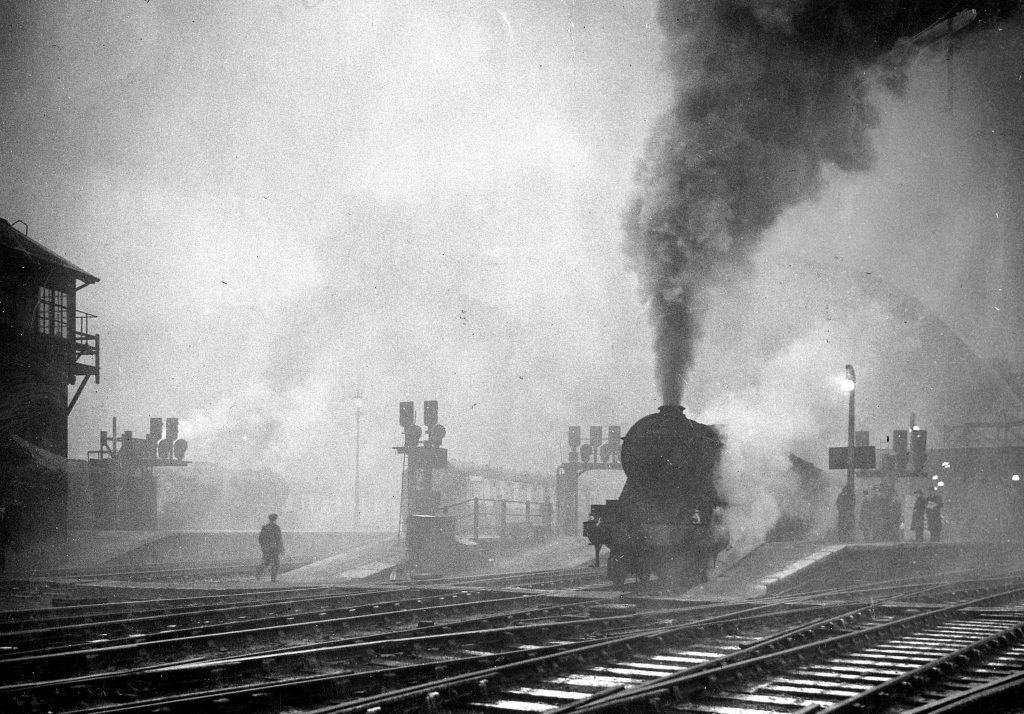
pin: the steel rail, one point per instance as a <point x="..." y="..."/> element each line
<point x="527" y="658"/>
<point x="56" y="690"/>
<point x="441" y="693"/>
<point x="676" y="685"/>
<point x="422" y="627"/>
<point x="225" y="620"/>
<point x="946" y="664"/>
<point x="297" y="691"/>
<point x="345" y="652"/>
<point x="92" y="657"/>
<point x="954" y="578"/>
<point x="231" y="567"/>
<point x="982" y="697"/>
<point x="194" y="619"/>
<point x="505" y="579"/>
<point x="912" y="594"/>
<point x="420" y="639"/>
<point x="11" y="620"/>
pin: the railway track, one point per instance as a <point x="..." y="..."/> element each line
<point x="247" y="635"/>
<point x="67" y="634"/>
<point x="562" y="578"/>
<point x="883" y="667"/>
<point x="76" y="610"/>
<point x="183" y="573"/>
<point x="350" y="667"/>
<point x="900" y="643"/>
<point x="512" y="643"/>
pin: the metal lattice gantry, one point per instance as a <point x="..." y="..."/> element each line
<point x="1001" y="434"/>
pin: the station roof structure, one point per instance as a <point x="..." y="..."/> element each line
<point x="35" y="253"/>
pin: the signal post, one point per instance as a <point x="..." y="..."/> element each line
<point x="422" y="458"/>
<point x="583" y="456"/>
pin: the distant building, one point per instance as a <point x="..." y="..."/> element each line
<point x="45" y="347"/>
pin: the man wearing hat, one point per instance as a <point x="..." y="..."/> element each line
<point x="272" y="544"/>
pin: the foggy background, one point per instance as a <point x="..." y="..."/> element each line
<point x="291" y="202"/>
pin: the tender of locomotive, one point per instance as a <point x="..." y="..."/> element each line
<point x="667" y="522"/>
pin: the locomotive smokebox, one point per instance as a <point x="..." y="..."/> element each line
<point x="667" y="520"/>
<point x="666" y="454"/>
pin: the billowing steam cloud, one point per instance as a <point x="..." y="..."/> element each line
<point x="766" y="94"/>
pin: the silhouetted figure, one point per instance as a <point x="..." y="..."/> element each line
<point x="933" y="514"/>
<point x="845" y="507"/>
<point x="870" y="515"/>
<point x="892" y="515"/>
<point x="272" y="544"/>
<point x="917" y="520"/>
<point x="5" y="537"/>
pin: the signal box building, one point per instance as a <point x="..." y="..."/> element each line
<point x="45" y="347"/>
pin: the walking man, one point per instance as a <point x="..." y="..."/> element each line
<point x="272" y="544"/>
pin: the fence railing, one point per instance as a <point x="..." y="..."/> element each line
<point x="496" y="518"/>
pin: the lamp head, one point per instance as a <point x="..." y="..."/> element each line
<point x="849" y="382"/>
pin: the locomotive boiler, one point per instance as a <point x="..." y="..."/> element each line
<point x="667" y="522"/>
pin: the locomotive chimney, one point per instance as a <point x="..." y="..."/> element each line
<point x="672" y="409"/>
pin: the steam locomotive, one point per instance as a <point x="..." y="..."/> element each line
<point x="667" y="522"/>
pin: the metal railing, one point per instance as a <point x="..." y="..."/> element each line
<point x="86" y="344"/>
<point x="495" y="517"/>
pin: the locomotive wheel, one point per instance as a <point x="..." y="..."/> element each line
<point x="617" y="569"/>
<point x="673" y="573"/>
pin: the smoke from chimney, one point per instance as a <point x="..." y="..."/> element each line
<point x="766" y="94"/>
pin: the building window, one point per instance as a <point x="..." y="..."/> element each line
<point x="52" y="313"/>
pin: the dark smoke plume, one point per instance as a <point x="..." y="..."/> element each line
<point x="766" y="94"/>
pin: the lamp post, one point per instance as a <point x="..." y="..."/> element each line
<point x="848" y="498"/>
<point x="357" y="401"/>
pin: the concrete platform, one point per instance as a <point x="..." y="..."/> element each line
<point x="880" y="562"/>
<point x="765" y="568"/>
<point x="374" y="561"/>
<point x="368" y="561"/>
<point x="141" y="549"/>
<point x="777" y="568"/>
<point x="560" y="552"/>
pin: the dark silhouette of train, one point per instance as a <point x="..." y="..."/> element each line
<point x="667" y="522"/>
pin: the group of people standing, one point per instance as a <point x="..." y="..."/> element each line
<point x="881" y="514"/>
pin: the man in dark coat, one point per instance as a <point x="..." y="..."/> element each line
<point x="5" y="537"/>
<point x="892" y="515"/>
<point x="845" y="506"/>
<point x="917" y="520"/>
<point x="870" y="515"/>
<point x="933" y="513"/>
<point x="272" y="544"/>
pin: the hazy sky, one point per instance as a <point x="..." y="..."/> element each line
<point x="289" y="202"/>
